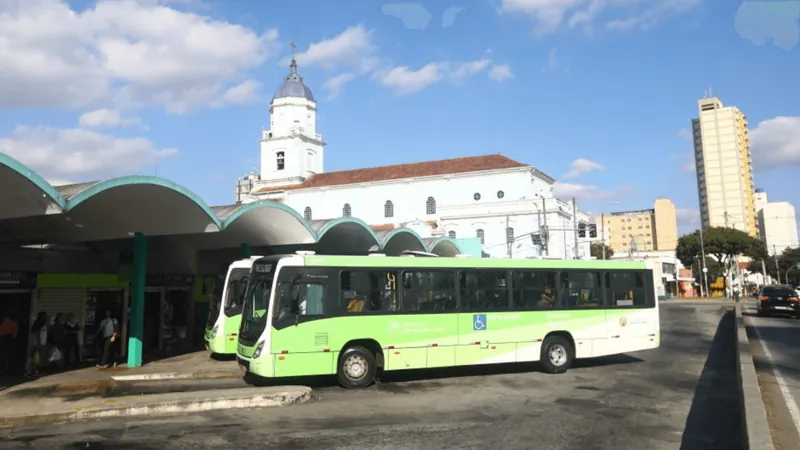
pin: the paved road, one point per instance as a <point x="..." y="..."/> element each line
<point x="776" y="353"/>
<point x="682" y="395"/>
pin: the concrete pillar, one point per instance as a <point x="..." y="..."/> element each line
<point x="137" y="300"/>
<point x="246" y="251"/>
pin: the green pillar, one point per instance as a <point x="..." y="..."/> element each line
<point x="246" y="251"/>
<point x="136" y="332"/>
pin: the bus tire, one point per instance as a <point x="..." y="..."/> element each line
<point x="357" y="368"/>
<point x="556" y="355"/>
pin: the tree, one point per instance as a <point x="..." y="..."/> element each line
<point x="721" y="243"/>
<point x="787" y="260"/>
<point x="596" y="250"/>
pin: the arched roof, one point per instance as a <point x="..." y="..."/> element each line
<point x="394" y="242"/>
<point x="24" y="193"/>
<point x="442" y="246"/>
<point x="32" y="211"/>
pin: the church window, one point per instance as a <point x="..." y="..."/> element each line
<point x="347" y="211"/>
<point x="509" y="235"/>
<point x="388" y="209"/>
<point x="476" y="196"/>
<point x="479" y="233"/>
<point x="501" y="194"/>
<point x="280" y="160"/>
<point x="430" y="206"/>
<point x="307" y="213"/>
<point x="451" y="234"/>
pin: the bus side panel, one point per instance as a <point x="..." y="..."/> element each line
<point x="230" y="336"/>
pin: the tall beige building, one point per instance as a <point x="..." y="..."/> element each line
<point x="724" y="167"/>
<point x="643" y="230"/>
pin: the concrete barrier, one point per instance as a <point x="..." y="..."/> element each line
<point x="755" y="428"/>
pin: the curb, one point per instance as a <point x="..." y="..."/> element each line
<point x="755" y="428"/>
<point x="167" y="376"/>
<point x="165" y="408"/>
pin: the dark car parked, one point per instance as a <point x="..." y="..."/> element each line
<point x="778" y="299"/>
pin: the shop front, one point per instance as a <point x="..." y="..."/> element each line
<point x="87" y="297"/>
<point x="17" y="295"/>
<point x="168" y="314"/>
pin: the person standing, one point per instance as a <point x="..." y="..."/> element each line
<point x="109" y="330"/>
<point x="73" y="348"/>
<point x="736" y="288"/>
<point x="9" y="329"/>
<point x="39" y="340"/>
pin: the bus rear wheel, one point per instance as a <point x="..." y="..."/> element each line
<point x="357" y="368"/>
<point x="557" y="354"/>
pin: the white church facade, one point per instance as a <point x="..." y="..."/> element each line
<point x="509" y="205"/>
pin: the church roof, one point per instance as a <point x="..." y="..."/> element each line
<point x="402" y="171"/>
<point x="293" y="86"/>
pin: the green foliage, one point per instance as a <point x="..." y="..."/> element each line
<point x="596" y="250"/>
<point x="722" y="243"/>
<point x="787" y="260"/>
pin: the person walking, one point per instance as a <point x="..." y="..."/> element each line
<point x="39" y="345"/>
<point x="109" y="330"/>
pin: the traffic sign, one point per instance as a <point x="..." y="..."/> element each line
<point x="478" y="322"/>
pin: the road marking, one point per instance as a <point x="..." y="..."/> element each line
<point x="794" y="411"/>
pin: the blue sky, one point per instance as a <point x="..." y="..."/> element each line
<point x="103" y="89"/>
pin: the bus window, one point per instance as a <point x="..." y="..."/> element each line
<point x="534" y="289"/>
<point x="369" y="291"/>
<point x="625" y="288"/>
<point x="485" y="290"/>
<point x="429" y="291"/>
<point x="581" y="289"/>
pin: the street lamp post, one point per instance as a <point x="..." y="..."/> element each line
<point x="703" y="254"/>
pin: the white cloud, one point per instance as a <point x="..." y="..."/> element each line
<point x="685" y="134"/>
<point x="586" y="193"/>
<point x="581" y="166"/>
<point x="352" y="48"/>
<point x="105" y="118"/>
<point x="413" y="15"/>
<point x="554" y="63"/>
<point x="688" y="165"/>
<point x="501" y="72"/>
<point x="334" y="85"/>
<point x="550" y="15"/>
<point x="245" y="92"/>
<point x="138" y="53"/>
<point x="406" y="81"/>
<point x="776" y="142"/>
<point x="688" y="218"/>
<point x="76" y="154"/>
<point x="354" y="52"/>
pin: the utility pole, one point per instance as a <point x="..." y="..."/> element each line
<point x="700" y="272"/>
<point x="703" y="253"/>
<point x="603" y="233"/>
<point x="726" y="219"/>
<point x="764" y="270"/>
<point x="546" y="231"/>
<point x="575" y="222"/>
<point x="509" y="242"/>
<point x="777" y="267"/>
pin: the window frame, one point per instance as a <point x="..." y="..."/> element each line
<point x="463" y="305"/>
<point x="557" y="276"/>
<point x="647" y="280"/>
<point x="453" y="272"/>
<point x="560" y="293"/>
<point x="342" y="311"/>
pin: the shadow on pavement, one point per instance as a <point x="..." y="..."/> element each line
<point x="385" y="380"/>
<point x="714" y="417"/>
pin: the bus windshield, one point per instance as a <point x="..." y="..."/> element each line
<point x="215" y="300"/>
<point x="256" y="301"/>
<point x="237" y="283"/>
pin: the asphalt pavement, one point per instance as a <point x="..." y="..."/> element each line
<point x="776" y="354"/>
<point x="681" y="395"/>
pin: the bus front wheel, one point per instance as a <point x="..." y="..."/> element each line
<point x="357" y="368"/>
<point x="556" y="355"/>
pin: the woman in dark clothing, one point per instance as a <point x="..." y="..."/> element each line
<point x="72" y="349"/>
<point x="59" y="337"/>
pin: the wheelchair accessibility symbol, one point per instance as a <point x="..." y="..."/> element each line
<point x="478" y="322"/>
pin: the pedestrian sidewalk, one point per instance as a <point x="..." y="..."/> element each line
<point x="197" y="365"/>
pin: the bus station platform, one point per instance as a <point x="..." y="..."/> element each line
<point x="179" y="385"/>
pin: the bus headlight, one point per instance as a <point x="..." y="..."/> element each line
<point x="214" y="331"/>
<point x="257" y="352"/>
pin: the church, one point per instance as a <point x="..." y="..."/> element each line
<point x="509" y="205"/>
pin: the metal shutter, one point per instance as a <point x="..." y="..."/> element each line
<point x="57" y="300"/>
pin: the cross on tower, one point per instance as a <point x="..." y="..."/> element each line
<point x="294" y="49"/>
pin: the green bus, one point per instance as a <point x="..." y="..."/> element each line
<point x="225" y="308"/>
<point x="352" y="316"/>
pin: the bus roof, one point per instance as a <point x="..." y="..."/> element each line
<point x="488" y="263"/>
